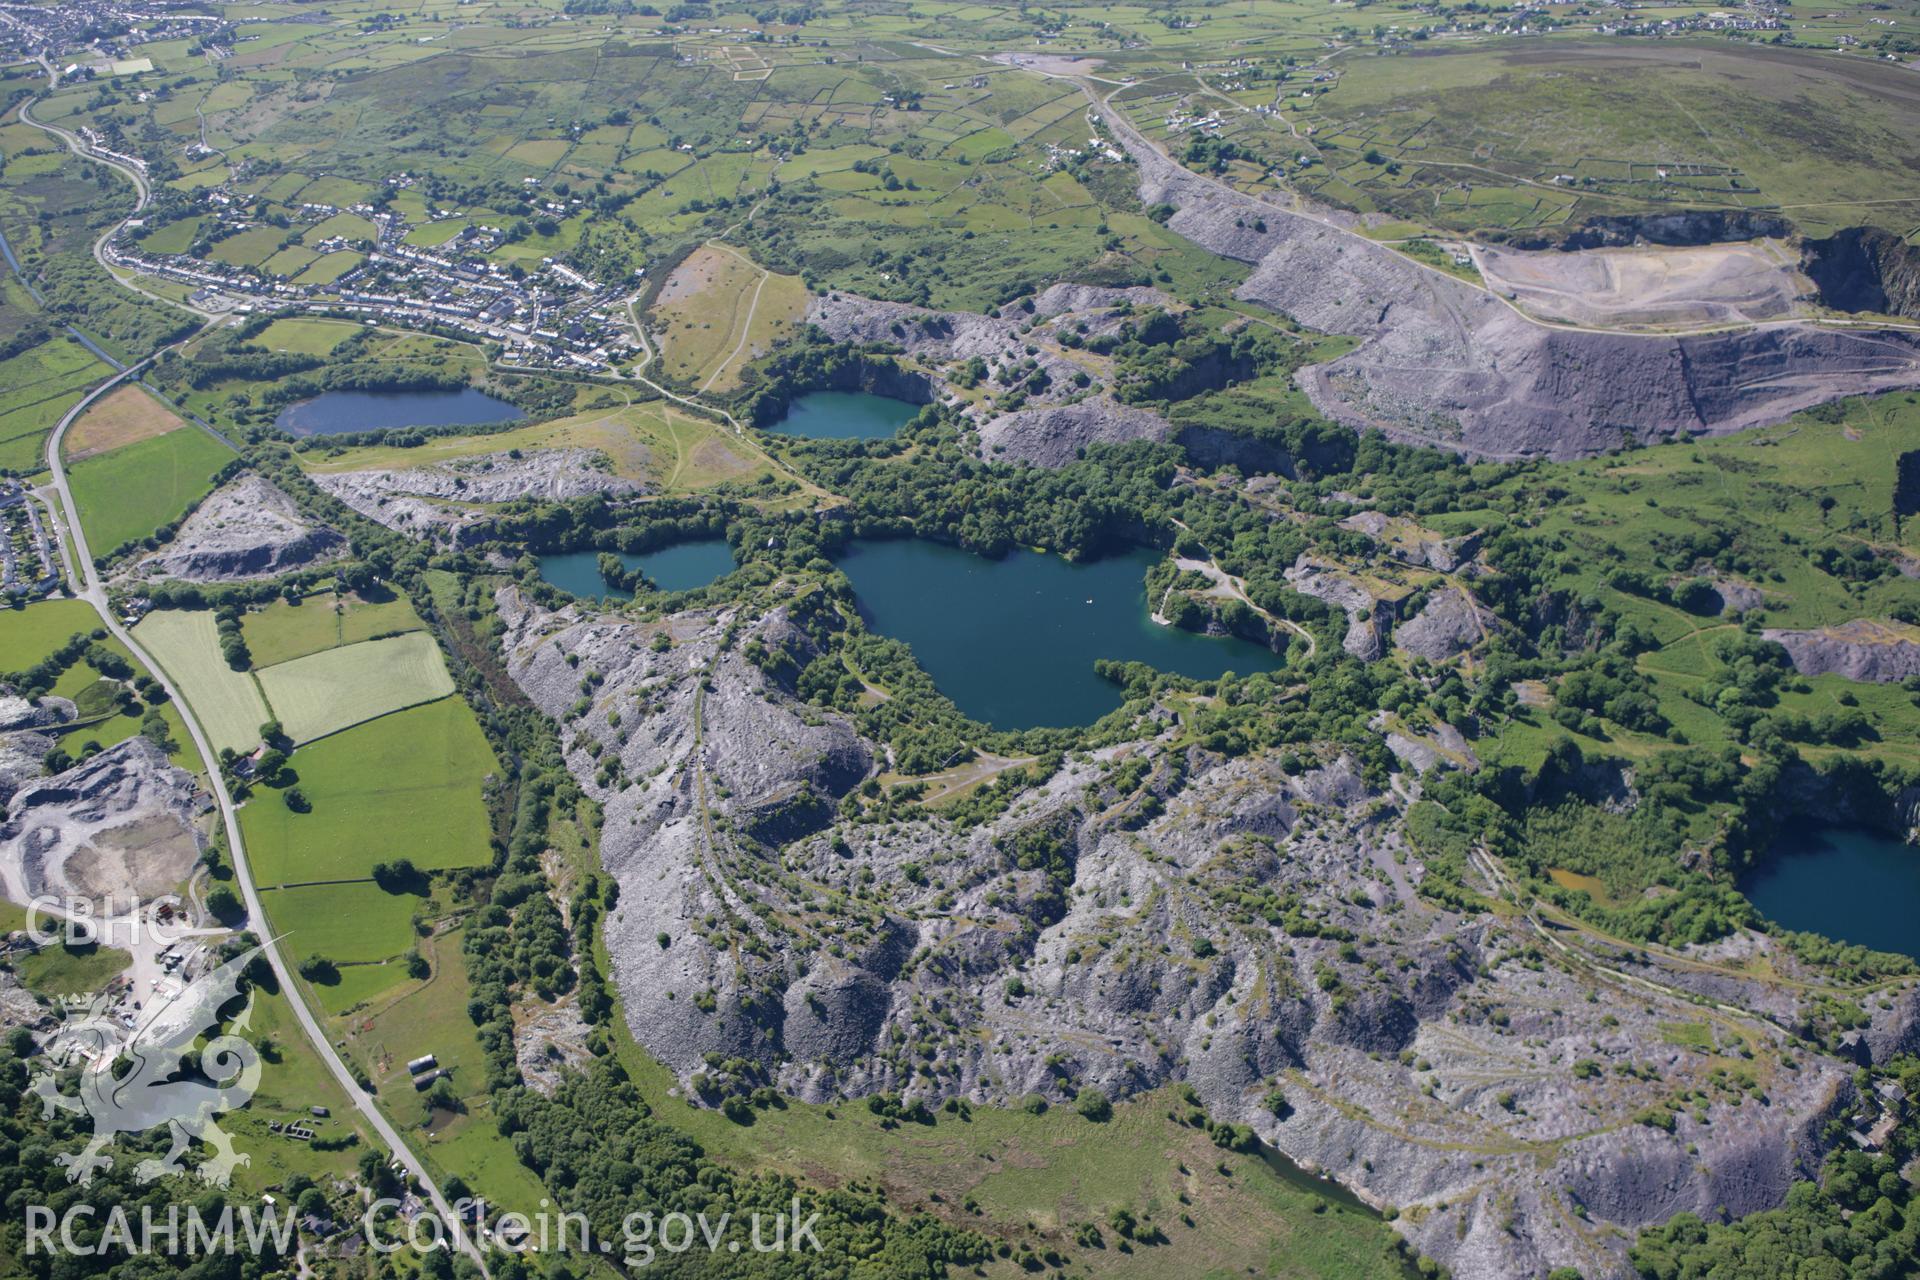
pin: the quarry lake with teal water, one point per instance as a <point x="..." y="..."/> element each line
<point x="1013" y="641"/>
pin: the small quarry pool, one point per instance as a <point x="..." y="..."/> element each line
<point x="845" y="415"/>
<point x="1855" y="885"/>
<point x="680" y="567"/>
<point x="1013" y="641"/>
<point x="335" y="413"/>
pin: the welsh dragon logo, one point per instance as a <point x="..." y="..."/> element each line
<point x="148" y="1095"/>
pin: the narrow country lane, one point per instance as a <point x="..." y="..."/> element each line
<point x="87" y="586"/>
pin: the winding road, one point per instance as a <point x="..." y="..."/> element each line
<point x="86" y="585"/>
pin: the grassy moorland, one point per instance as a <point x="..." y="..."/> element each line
<point x="718" y="313"/>
<point x="1537" y="136"/>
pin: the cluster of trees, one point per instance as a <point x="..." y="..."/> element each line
<point x="233" y="643"/>
<point x="602" y="1152"/>
<point x="29" y="1175"/>
<point x="1858" y="1220"/>
<point x="1208" y="154"/>
<point x="38" y="680"/>
<point x="1158" y="357"/>
<point x="1609" y="685"/>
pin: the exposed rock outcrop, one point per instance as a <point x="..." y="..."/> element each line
<point x="21" y="760"/>
<point x="122" y="822"/>
<point x="445" y="501"/>
<point x="1053" y="436"/>
<point x="1058" y="299"/>
<point x="1423" y="1064"/>
<point x="1688" y="227"/>
<point x="1863" y="649"/>
<point x="1866" y="269"/>
<point x="246" y="529"/>
<point x="37" y="713"/>
<point x="1058" y="419"/>
<point x="1451" y="623"/>
<point x="1368" y="619"/>
<point x="1446" y="363"/>
<point x="548" y="1043"/>
<point x="1408" y="542"/>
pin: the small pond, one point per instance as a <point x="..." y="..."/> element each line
<point x="1013" y="641"/>
<point x="680" y="567"/>
<point x="335" y="413"/>
<point x="1844" y="882"/>
<point x="845" y="415"/>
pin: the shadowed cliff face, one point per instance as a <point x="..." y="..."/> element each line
<point x="1906" y="484"/>
<point x="1866" y="269"/>
<point x="1443" y="362"/>
<point x="1692" y="227"/>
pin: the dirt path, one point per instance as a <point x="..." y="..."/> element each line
<point x="1237" y="589"/>
<point x="746" y="325"/>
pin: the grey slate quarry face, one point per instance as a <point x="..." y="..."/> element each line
<point x="1427" y="1055"/>
<point x="119" y="824"/>
<point x="246" y="529"/>
<point x="447" y="502"/>
<point x="1062" y="419"/>
<point x="1448" y="364"/>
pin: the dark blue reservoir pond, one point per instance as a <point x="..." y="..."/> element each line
<point x="1847" y="883"/>
<point x="845" y="415"/>
<point x="680" y="567"/>
<point x="1013" y="641"/>
<point x="335" y="413"/>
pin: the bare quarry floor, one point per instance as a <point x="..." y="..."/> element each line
<point x="1651" y="287"/>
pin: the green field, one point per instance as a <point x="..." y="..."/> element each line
<point x="354" y="925"/>
<point x="127" y="493"/>
<point x="29" y="634"/>
<point x="406" y="785"/>
<point x="306" y="337"/>
<point x="60" y="970"/>
<point x="284" y="630"/>
<point x="326" y="692"/>
<point x="36" y="388"/>
<point x="292" y="1080"/>
<point x="226" y="702"/>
